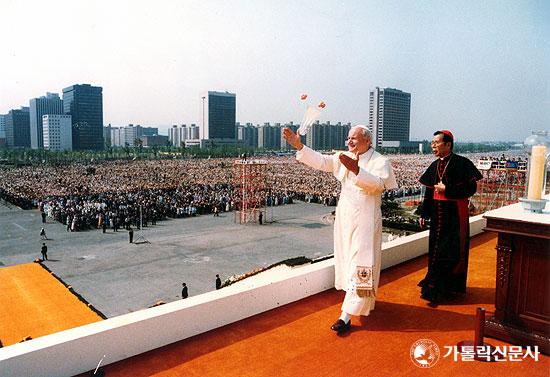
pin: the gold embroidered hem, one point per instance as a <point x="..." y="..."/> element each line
<point x="364" y="283"/>
<point x="366" y="293"/>
<point x="364" y="278"/>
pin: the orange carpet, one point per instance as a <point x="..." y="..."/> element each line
<point x="295" y="340"/>
<point x="34" y="303"/>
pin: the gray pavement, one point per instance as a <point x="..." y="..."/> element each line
<point x="118" y="277"/>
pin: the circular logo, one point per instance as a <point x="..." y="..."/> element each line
<point x="424" y="353"/>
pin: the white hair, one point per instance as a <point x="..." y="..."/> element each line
<point x="365" y="129"/>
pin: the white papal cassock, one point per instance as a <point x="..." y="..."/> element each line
<point x="358" y="224"/>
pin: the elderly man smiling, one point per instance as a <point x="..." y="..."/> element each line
<point x="364" y="175"/>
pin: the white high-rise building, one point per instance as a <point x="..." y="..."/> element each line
<point x="128" y="135"/>
<point x="193" y="132"/>
<point x="183" y="133"/>
<point x="57" y="132"/>
<point x="174" y="135"/>
<point x="115" y="136"/>
<point x="178" y="136"/>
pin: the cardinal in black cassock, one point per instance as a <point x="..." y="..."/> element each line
<point x="450" y="181"/>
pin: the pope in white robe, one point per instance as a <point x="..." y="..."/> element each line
<point x="364" y="175"/>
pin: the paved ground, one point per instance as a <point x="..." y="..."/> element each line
<point x="118" y="277"/>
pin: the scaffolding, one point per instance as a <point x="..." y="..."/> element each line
<point x="499" y="187"/>
<point x="249" y="181"/>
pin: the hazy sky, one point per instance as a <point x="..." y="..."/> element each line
<point x="479" y="68"/>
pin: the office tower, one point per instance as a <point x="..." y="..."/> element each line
<point x="50" y="104"/>
<point x="2" y="130"/>
<point x="85" y="104"/>
<point x="18" y="128"/>
<point x="389" y="116"/>
<point x="218" y="118"/>
<point x="57" y="131"/>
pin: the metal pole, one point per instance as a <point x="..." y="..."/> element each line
<point x="203" y="125"/>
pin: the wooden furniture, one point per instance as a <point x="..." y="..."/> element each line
<point x="522" y="300"/>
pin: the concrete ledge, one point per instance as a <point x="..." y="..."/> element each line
<point x="415" y="245"/>
<point x="78" y="350"/>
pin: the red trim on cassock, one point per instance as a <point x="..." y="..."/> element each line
<point x="441" y="196"/>
<point x="463" y="220"/>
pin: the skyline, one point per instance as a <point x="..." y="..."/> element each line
<point x="477" y="69"/>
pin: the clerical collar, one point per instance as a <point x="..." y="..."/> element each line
<point x="446" y="157"/>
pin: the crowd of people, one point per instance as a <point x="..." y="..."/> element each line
<point x="120" y="194"/>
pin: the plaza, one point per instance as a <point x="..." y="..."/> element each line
<point x="118" y="277"/>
